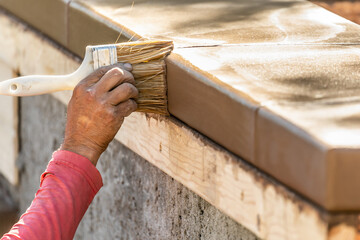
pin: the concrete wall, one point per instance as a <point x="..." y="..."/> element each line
<point x="8" y="130"/>
<point x="8" y="154"/>
<point x="138" y="201"/>
<point x="8" y="205"/>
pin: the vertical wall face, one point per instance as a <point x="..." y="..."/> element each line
<point x="138" y="201"/>
<point x="8" y="130"/>
<point x="8" y="154"/>
<point x="349" y="9"/>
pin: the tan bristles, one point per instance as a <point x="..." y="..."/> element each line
<point x="149" y="70"/>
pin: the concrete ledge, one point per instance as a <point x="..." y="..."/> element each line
<point x="236" y="59"/>
<point x="253" y="199"/>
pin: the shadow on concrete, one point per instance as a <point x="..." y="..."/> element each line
<point x="8" y="205"/>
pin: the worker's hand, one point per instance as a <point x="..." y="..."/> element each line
<point x="97" y="109"/>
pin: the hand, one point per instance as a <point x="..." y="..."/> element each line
<point x="97" y="109"/>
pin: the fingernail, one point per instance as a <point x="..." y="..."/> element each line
<point x="128" y="66"/>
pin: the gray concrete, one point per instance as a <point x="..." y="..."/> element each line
<point x="8" y="205"/>
<point x="138" y="201"/>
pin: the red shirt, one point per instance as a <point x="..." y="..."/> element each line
<point x="67" y="188"/>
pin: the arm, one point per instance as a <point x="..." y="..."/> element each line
<point x="95" y="113"/>
<point x="67" y="188"/>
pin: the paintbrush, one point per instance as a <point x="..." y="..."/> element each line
<point x="149" y="70"/>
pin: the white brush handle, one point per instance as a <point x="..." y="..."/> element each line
<point x="95" y="57"/>
<point x="36" y="85"/>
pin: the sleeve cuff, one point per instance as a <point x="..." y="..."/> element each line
<point x="80" y="164"/>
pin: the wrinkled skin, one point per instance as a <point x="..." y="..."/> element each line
<point x="97" y="109"/>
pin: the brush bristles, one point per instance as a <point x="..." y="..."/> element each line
<point x="149" y="70"/>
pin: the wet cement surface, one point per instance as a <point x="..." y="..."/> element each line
<point x="290" y="54"/>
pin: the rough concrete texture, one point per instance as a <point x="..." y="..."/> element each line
<point x="8" y="205"/>
<point x="138" y="201"/>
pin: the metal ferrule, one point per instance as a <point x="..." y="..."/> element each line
<point x="104" y="55"/>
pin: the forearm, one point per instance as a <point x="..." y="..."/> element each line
<point x="67" y="188"/>
<point x="99" y="104"/>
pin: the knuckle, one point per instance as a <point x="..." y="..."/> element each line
<point x="109" y="115"/>
<point x="110" y="112"/>
<point x="90" y="92"/>
<point x="103" y="102"/>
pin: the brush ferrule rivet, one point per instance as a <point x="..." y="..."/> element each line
<point x="104" y="56"/>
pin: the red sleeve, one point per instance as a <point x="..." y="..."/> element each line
<point x="67" y="188"/>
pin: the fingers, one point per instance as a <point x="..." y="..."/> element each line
<point x="99" y="73"/>
<point x="122" y="93"/>
<point x="113" y="78"/>
<point x="114" y="85"/>
<point x="126" y="108"/>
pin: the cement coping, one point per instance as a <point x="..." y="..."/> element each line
<point x="274" y="82"/>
